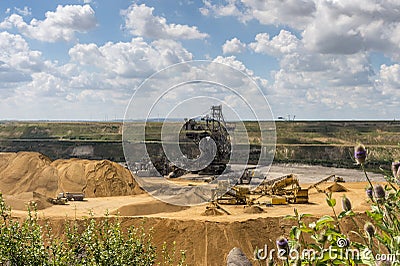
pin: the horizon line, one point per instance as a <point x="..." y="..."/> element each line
<point x="179" y="119"/>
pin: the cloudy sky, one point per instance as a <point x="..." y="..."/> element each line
<point x="316" y="59"/>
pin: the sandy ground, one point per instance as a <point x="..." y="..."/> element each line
<point x="313" y="173"/>
<point x="206" y="239"/>
<point x="145" y="205"/>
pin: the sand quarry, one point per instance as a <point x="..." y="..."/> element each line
<point x="206" y="235"/>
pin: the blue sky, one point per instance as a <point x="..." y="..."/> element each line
<point x="314" y="59"/>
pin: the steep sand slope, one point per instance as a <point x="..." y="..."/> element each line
<point x="27" y="172"/>
<point x="96" y="178"/>
<point x="33" y="172"/>
<point x="209" y="242"/>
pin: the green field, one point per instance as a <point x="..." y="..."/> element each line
<point x="97" y="131"/>
<point x="315" y="142"/>
<point x="302" y="132"/>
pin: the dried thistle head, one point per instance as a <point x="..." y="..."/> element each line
<point x="396" y="169"/>
<point x="282" y="243"/>
<point x="346" y="204"/>
<point x="379" y="192"/>
<point x="360" y="154"/>
<point x="369" y="229"/>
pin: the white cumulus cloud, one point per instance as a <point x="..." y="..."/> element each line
<point x="283" y="43"/>
<point x="329" y="27"/>
<point x="327" y="53"/>
<point x="294" y="13"/>
<point x="233" y="46"/>
<point x="26" y="11"/>
<point x="97" y="80"/>
<point x="60" y="25"/>
<point x="307" y="77"/>
<point x="130" y="59"/>
<point x="389" y="81"/>
<point x="15" y="52"/>
<point x="223" y="10"/>
<point x="140" y="21"/>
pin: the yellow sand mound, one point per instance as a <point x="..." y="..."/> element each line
<point x="212" y="212"/>
<point x="27" y="172"/>
<point x="336" y="188"/>
<point x="95" y="178"/>
<point x="148" y="208"/>
<point x="33" y="172"/>
<point x="253" y="209"/>
<point x="21" y="201"/>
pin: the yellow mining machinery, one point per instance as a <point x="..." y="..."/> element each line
<point x="336" y="179"/>
<point x="283" y="190"/>
<point x="286" y="186"/>
<point x="238" y="195"/>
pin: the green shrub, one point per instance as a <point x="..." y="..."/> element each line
<point x="94" y="242"/>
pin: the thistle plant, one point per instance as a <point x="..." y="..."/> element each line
<point x="360" y="154"/>
<point x="370" y="192"/>
<point x="369" y="229"/>
<point x="385" y="212"/>
<point x="329" y="242"/>
<point x="379" y="192"/>
<point x="396" y="170"/>
<point x="283" y="248"/>
<point x="346" y="204"/>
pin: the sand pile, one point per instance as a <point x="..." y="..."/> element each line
<point x="254" y="209"/>
<point x="95" y="178"/>
<point x="148" y="208"/>
<point x="33" y="172"/>
<point x="336" y="188"/>
<point x="212" y="211"/>
<point x="21" y="201"/>
<point x="27" y="172"/>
